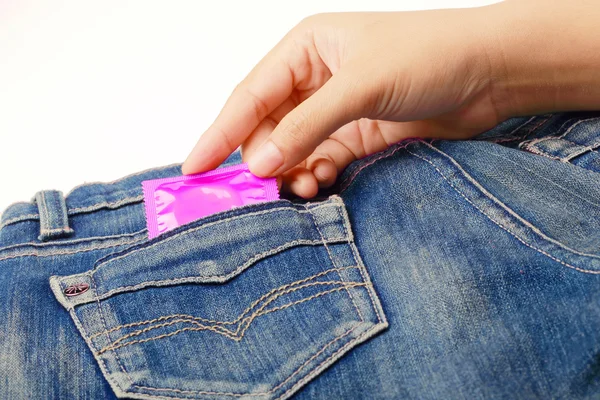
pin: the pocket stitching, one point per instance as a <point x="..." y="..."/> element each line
<point x="166" y="238"/>
<point x="117" y="359"/>
<point x="358" y="261"/>
<point x="250" y="307"/>
<point x="348" y="181"/>
<point x="314" y="221"/>
<point x="309" y="374"/>
<point x="235" y="336"/>
<point x="531" y="145"/>
<point x="589" y="148"/>
<point x="353" y="341"/>
<point x="576" y="124"/>
<point x="225" y="277"/>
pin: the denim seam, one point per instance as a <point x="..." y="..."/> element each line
<point x="333" y="262"/>
<point x="165" y="317"/>
<point x="67" y="252"/>
<point x="241" y="318"/>
<point x="527" y="143"/>
<point x="507" y="209"/>
<point x="71" y="242"/>
<point x="26" y="217"/>
<point x="503" y="139"/>
<point x="364" y="275"/>
<point x="522" y="136"/>
<point x="198" y="228"/>
<point x="503" y="227"/>
<point x="518" y="128"/>
<point x="566" y="123"/>
<point x="56" y="230"/>
<point x="117" y="359"/>
<point x="366" y="334"/>
<point x="323" y="349"/>
<point x="110" y="205"/>
<point x="44" y="212"/>
<point x="542" y="177"/>
<point x="531" y="147"/>
<point x="346" y="183"/>
<point x="576" y="124"/>
<point x="537" y="126"/>
<point x="79" y="210"/>
<point x="196" y="278"/>
<point x="358" y="260"/>
<point x="345" y="231"/>
<point x="239" y="333"/>
<point x="511" y="134"/>
<point x="579" y="152"/>
<point x="112" y="382"/>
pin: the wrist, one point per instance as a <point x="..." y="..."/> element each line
<point x="543" y="59"/>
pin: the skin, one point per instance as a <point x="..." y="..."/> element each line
<point x="339" y="87"/>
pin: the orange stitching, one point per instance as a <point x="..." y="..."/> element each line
<point x="314" y="219"/>
<point x="108" y="336"/>
<point x="207" y="225"/>
<point x="252" y="316"/>
<point x="238" y="335"/>
<point x="346" y="183"/>
<point x="165" y="317"/>
<point x="358" y="259"/>
<point x="223" y="277"/>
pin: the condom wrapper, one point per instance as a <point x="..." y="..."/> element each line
<point x="171" y="202"/>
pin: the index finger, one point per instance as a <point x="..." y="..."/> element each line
<point x="265" y="88"/>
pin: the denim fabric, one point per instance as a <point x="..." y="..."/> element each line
<point x="435" y="269"/>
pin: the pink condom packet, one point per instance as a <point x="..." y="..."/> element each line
<point x="171" y="202"/>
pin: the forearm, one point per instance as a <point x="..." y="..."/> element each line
<point x="544" y="56"/>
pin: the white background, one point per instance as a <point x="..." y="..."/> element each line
<point x="94" y="90"/>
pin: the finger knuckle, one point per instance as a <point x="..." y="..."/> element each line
<point x="259" y="106"/>
<point x="296" y="133"/>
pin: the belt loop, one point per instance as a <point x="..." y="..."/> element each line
<point x="54" y="221"/>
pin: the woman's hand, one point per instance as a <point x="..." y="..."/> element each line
<point x="339" y="87"/>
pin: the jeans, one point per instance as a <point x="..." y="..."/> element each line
<point x="435" y="269"/>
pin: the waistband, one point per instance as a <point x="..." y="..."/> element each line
<point x="91" y="197"/>
<point x="562" y="134"/>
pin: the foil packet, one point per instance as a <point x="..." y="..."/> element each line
<point x="172" y="202"/>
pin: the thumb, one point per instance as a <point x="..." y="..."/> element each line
<point x="343" y="98"/>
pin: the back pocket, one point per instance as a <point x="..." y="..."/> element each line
<point x="576" y="141"/>
<point x="252" y="303"/>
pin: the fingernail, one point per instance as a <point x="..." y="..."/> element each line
<point x="267" y="160"/>
<point x="188" y="165"/>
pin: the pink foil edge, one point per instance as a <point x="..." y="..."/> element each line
<point x="150" y="208"/>
<point x="148" y="188"/>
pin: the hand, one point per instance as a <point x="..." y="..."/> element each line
<point x="339" y="87"/>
